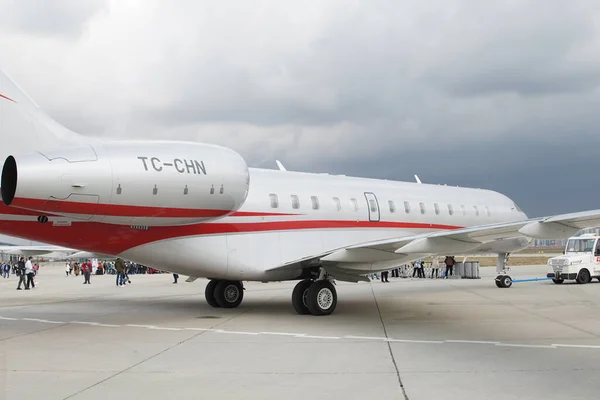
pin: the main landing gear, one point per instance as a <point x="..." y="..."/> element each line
<point x="503" y="280"/>
<point x="317" y="297"/>
<point x="223" y="293"/>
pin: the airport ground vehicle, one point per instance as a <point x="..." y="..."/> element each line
<point x="580" y="261"/>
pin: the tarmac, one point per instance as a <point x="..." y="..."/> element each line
<point x="407" y="339"/>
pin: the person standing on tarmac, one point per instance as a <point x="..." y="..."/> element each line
<point x="449" y="261"/>
<point x="435" y="266"/>
<point x="120" y="267"/>
<point x="175" y="277"/>
<point x="21" y="273"/>
<point x="30" y="273"/>
<point x="384" y="276"/>
<point x="86" y="268"/>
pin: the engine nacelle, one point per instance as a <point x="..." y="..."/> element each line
<point x="129" y="183"/>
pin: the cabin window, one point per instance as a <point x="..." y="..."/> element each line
<point x="295" y="202"/>
<point x="436" y="207"/>
<point x="487" y="211"/>
<point x="274" y="200"/>
<point x="476" y="211"/>
<point x="422" y="207"/>
<point x="407" y="207"/>
<point x="392" y="206"/>
<point x="450" y="209"/>
<point x="464" y="210"/>
<point x="354" y="204"/>
<point x="315" y="202"/>
<point x="338" y="204"/>
<point x="373" y="205"/>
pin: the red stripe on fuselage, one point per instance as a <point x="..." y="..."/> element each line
<point x="7" y="98"/>
<point x="114" y="239"/>
<point x="113" y="210"/>
<point x="259" y="214"/>
<point x="119" y="210"/>
<point x="4" y="210"/>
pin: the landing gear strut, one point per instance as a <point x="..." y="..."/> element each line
<point x="223" y="293"/>
<point x="317" y="297"/>
<point x="503" y="280"/>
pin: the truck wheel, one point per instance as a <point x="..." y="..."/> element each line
<point x="583" y="276"/>
<point x="558" y="281"/>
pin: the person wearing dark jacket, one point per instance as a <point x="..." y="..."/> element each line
<point x="384" y="276"/>
<point x="120" y="267"/>
<point x="21" y="272"/>
<point x="449" y="261"/>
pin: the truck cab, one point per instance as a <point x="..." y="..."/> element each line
<point x="580" y="260"/>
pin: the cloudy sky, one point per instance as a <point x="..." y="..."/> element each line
<point x="501" y="95"/>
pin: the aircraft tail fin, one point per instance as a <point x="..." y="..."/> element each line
<point x="24" y="127"/>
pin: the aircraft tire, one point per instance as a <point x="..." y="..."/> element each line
<point x="507" y="281"/>
<point x="299" y="300"/>
<point x="209" y="293"/>
<point x="499" y="280"/>
<point x="558" y="281"/>
<point x="229" y="294"/>
<point x="321" y="298"/>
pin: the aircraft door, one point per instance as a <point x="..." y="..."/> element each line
<point x="373" y="207"/>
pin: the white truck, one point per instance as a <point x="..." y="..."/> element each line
<point x="580" y="260"/>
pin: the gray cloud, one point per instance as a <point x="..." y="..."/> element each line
<point x="501" y="95"/>
<point x="533" y="48"/>
<point x="65" y="18"/>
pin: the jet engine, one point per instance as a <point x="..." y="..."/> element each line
<point x="132" y="183"/>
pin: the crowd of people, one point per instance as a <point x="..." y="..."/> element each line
<point x="107" y="268"/>
<point x="25" y="270"/>
<point x="418" y="269"/>
<point x="121" y="268"/>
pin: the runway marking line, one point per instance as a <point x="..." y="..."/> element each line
<point x="307" y="336"/>
<point x="366" y="338"/>
<point x="538" y="346"/>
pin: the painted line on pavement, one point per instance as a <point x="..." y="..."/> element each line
<point x="308" y="336"/>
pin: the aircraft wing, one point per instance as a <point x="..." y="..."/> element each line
<point x="34" y="250"/>
<point x="91" y="255"/>
<point x="362" y="258"/>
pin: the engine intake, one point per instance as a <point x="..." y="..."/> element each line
<point x="9" y="180"/>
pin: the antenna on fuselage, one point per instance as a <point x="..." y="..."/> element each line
<point x="280" y="165"/>
<point x="418" y="180"/>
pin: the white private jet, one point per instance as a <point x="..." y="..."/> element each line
<point x="199" y="210"/>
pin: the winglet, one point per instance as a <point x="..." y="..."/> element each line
<point x="280" y="165"/>
<point x="418" y="180"/>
